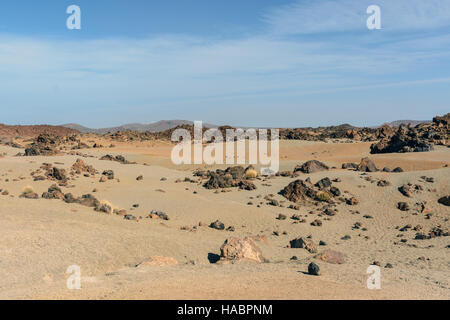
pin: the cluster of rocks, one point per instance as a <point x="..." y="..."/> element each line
<point x="229" y="178"/>
<point x="414" y="139"/>
<point x="305" y="190"/>
<point x="44" y="145"/>
<point x="344" y="131"/>
<point x="435" y="232"/>
<point x="87" y="200"/>
<point x="50" y="173"/>
<point x="367" y="165"/>
<point x="409" y="189"/>
<point x="118" y="158"/>
<point x="80" y="167"/>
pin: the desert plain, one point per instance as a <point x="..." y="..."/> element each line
<point x="152" y="230"/>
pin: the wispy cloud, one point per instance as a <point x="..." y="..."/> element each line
<point x="325" y="16"/>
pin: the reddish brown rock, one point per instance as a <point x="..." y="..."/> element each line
<point x="331" y="256"/>
<point x="157" y="261"/>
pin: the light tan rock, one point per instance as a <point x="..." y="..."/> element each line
<point x="157" y="261"/>
<point x="238" y="250"/>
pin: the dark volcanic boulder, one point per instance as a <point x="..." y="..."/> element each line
<point x="323" y="184"/>
<point x="54" y="192"/>
<point x="69" y="198"/>
<point x="89" y="200"/>
<point x="445" y="200"/>
<point x="299" y="190"/>
<point x="302" y="242"/>
<point x="217" y="181"/>
<point x="247" y="185"/>
<point x="217" y="225"/>
<point x="31" y="152"/>
<point x="311" y="167"/>
<point x="313" y="269"/>
<point x="236" y="172"/>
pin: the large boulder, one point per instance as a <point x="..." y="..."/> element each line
<point x="217" y="181"/>
<point x="445" y="200"/>
<point x="299" y="190"/>
<point x="302" y="242"/>
<point x="241" y="250"/>
<point x="311" y="166"/>
<point x="366" y="165"/>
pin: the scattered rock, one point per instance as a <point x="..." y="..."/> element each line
<point x="313" y="269"/>
<point x="301" y="242"/>
<point x="403" y="206"/>
<point x="217" y="225"/>
<point x="445" y="200"/>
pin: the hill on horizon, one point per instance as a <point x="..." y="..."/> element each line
<point x="158" y="126"/>
<point x="164" y="125"/>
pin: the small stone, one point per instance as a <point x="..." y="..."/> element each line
<point x="313" y="269"/>
<point x="217" y="225"/>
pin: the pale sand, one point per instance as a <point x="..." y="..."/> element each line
<point x="41" y="238"/>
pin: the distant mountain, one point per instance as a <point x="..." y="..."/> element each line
<point x="406" y="122"/>
<point x="33" y="130"/>
<point x="159" y="126"/>
<point x="164" y="125"/>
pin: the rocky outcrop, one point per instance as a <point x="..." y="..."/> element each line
<point x="44" y="145"/>
<point x="420" y="138"/>
<point x="229" y="178"/>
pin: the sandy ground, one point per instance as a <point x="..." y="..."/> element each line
<point x="42" y="238"/>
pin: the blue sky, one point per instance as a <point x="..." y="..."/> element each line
<point x="249" y="62"/>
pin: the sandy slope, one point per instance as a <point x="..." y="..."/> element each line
<point x="41" y="238"/>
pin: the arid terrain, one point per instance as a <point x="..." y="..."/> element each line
<point x="140" y="227"/>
